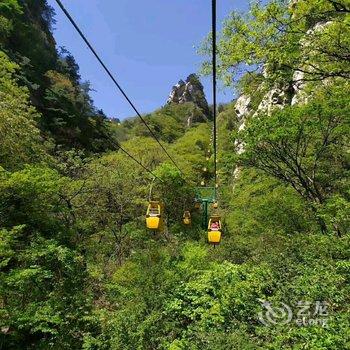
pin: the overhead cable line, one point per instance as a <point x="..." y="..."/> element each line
<point x="214" y="88"/>
<point x="117" y="145"/>
<point x="59" y="3"/>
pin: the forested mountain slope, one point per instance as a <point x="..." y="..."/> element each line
<point x="78" y="268"/>
<point x="51" y="76"/>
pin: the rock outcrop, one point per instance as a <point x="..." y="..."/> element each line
<point x="279" y="96"/>
<point x="306" y="45"/>
<point x="276" y="98"/>
<point x="243" y="109"/>
<point x="298" y="87"/>
<point x="190" y="90"/>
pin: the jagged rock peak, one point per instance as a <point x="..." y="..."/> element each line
<point x="190" y="90"/>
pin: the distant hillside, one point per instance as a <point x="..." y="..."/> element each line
<point x="51" y="74"/>
<point x="79" y="267"/>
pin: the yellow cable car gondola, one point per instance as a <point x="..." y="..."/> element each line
<point x="187" y="218"/>
<point x="214" y="229"/>
<point x="154" y="215"/>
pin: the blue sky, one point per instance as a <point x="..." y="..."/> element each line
<point x="148" y="44"/>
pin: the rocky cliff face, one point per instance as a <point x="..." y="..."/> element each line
<point x="190" y="90"/>
<point x="278" y="97"/>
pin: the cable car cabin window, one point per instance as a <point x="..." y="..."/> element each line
<point x="214" y="230"/>
<point x="215" y="226"/>
<point x="154" y="212"/>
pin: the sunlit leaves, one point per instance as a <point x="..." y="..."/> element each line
<point x="307" y="36"/>
<point x="20" y="140"/>
<point x="304" y="146"/>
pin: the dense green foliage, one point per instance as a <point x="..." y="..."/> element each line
<point x="315" y="167"/>
<point x="308" y="36"/>
<point x="51" y="76"/>
<point x="20" y="137"/>
<point x="79" y="270"/>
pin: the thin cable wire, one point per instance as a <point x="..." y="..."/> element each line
<point x="214" y="88"/>
<point x="59" y="3"/>
<point x="116" y="145"/>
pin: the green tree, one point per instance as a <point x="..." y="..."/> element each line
<point x="20" y="140"/>
<point x="305" y="146"/>
<point x="309" y="37"/>
<point x="114" y="194"/>
<point x="9" y="9"/>
<point x="43" y="296"/>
